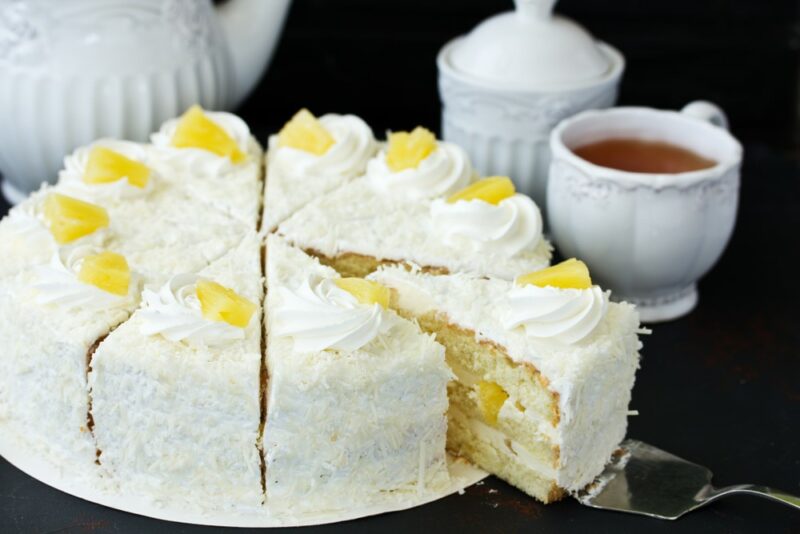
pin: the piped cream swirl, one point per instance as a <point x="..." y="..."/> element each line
<point x="508" y="228"/>
<point x="70" y="178"/>
<point x="198" y="160"/>
<point x="353" y="147"/>
<point x="174" y="312"/>
<point x="446" y="170"/>
<point x="565" y="315"/>
<point x="319" y="315"/>
<point x="57" y="283"/>
<point x="27" y="224"/>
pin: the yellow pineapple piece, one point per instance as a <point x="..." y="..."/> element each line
<point x="219" y="303"/>
<point x="492" y="190"/>
<point x="569" y="274"/>
<point x="365" y="291"/>
<point x="196" y="130"/>
<point x="490" y="399"/>
<point x="70" y="218"/>
<point x="304" y="132"/>
<point x="108" y="270"/>
<point x="106" y="166"/>
<point x="407" y="150"/>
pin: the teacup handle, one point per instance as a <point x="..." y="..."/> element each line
<point x="706" y="111"/>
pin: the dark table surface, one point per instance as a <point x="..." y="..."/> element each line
<point x="720" y="387"/>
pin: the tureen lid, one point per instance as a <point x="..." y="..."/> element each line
<point x="530" y="48"/>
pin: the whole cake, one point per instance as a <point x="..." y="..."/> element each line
<point x="191" y="322"/>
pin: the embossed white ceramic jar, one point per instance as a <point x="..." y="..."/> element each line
<point x="506" y="85"/>
<point x="647" y="237"/>
<point x="72" y="71"/>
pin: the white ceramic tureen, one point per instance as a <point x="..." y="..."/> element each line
<point x="506" y="84"/>
<point x="73" y="71"/>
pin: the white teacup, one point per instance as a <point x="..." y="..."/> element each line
<point x="647" y="237"/>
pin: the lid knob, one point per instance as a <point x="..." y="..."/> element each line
<point x="534" y="9"/>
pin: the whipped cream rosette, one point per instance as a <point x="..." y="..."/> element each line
<point x="558" y="303"/>
<point x="424" y="168"/>
<point x="506" y="224"/>
<point x="109" y="170"/>
<point x="320" y="315"/>
<point x="65" y="281"/>
<point x="175" y="311"/>
<point x="207" y="153"/>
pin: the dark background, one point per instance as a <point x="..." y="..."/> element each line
<point x="720" y="386"/>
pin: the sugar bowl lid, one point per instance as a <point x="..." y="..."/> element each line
<point x="530" y="48"/>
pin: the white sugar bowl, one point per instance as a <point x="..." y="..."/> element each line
<point x="506" y="84"/>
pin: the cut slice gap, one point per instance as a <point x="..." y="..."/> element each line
<point x="350" y="264"/>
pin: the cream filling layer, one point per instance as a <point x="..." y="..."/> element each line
<point x="507" y="446"/>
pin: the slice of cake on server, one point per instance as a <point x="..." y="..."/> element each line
<point x="176" y="390"/>
<point x="356" y="395"/>
<point x="544" y="365"/>
<point x="417" y="204"/>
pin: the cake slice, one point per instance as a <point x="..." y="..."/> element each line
<point x="175" y="391"/>
<point x="51" y="317"/>
<point x="311" y="157"/>
<point x="544" y="365"/>
<point x="356" y="396"/>
<point x="214" y="158"/>
<point x="485" y="229"/>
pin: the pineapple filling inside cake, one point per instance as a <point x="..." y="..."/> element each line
<point x="544" y="368"/>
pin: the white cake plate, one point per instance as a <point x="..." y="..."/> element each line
<point x="462" y="475"/>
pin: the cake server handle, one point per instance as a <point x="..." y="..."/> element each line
<point x="752" y="489"/>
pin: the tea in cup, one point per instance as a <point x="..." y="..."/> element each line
<point x="646" y="197"/>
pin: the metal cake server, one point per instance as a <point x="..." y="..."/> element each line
<point x="642" y="479"/>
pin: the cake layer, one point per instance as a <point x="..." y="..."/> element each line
<point x="359" y="226"/>
<point x="345" y="426"/>
<point x="175" y="397"/>
<point x="543" y="393"/>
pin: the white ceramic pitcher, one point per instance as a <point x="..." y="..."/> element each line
<point x="73" y="71"/>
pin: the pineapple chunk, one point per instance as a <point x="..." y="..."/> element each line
<point x="108" y="270"/>
<point x="70" y="218"/>
<point x="304" y="132"/>
<point x="106" y="166"/>
<point x="219" y="303"/>
<point x="490" y="399"/>
<point x="365" y="291"/>
<point x="569" y="274"/>
<point x="407" y="150"/>
<point x="196" y="130"/>
<point x="492" y="190"/>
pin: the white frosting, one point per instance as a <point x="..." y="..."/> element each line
<point x="174" y="312"/>
<point x="593" y="377"/>
<point x="446" y="170"/>
<point x="27" y="224"/>
<point x="71" y="176"/>
<point x="319" y="315"/>
<point x="58" y="284"/>
<point x="565" y="315"/>
<point x="296" y="176"/>
<point x="198" y="160"/>
<point x="507" y="228"/>
<point x="358" y="219"/>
